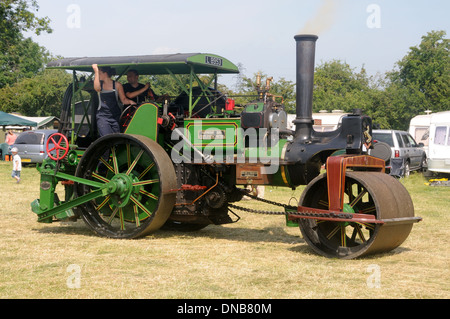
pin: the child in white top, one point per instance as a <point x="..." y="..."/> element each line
<point x="17" y="165"/>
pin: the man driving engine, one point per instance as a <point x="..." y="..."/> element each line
<point x="136" y="91"/>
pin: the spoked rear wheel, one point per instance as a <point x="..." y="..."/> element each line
<point x="139" y="176"/>
<point x="371" y="193"/>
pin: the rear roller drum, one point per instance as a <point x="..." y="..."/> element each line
<point x="372" y="193"/>
<point x="140" y="177"/>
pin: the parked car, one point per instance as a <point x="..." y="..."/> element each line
<point x="31" y="145"/>
<point x="402" y="146"/>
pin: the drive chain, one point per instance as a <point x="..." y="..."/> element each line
<point x="255" y="211"/>
<point x="264" y="212"/>
<point x="292" y="209"/>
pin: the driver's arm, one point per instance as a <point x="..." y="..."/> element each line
<point x="132" y="95"/>
<point x="122" y="96"/>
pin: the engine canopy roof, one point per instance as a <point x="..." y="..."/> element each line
<point x="180" y="63"/>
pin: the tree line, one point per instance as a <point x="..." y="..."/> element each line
<point x="417" y="83"/>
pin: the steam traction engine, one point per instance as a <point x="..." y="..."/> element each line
<point x="181" y="164"/>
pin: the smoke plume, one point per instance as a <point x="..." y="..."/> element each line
<point x="323" y="20"/>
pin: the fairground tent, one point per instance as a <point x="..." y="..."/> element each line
<point x="11" y="120"/>
<point x="42" y="122"/>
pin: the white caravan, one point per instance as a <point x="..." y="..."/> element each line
<point x="323" y="121"/>
<point x="419" y="129"/>
<point x="439" y="143"/>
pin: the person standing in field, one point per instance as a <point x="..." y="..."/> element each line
<point x="10" y="138"/>
<point x="17" y="165"/>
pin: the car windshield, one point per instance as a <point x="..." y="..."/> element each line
<point x="30" y="138"/>
<point x="384" y="137"/>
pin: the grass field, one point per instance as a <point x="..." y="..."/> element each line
<point x="258" y="257"/>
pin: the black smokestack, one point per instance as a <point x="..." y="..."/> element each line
<point x="306" y="51"/>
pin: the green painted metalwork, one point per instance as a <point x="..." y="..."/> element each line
<point x="145" y="121"/>
<point x="153" y="64"/>
<point x="45" y="216"/>
<point x="123" y="191"/>
<point x="118" y="188"/>
<point x="272" y="158"/>
<point x="44" y="208"/>
<point x="205" y="92"/>
<point x="171" y="64"/>
<point x="254" y="107"/>
<point x="74" y="81"/>
<point x="217" y="135"/>
<point x="77" y="91"/>
<point x="132" y="184"/>
<point x="261" y="150"/>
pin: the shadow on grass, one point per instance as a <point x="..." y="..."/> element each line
<point x="306" y="249"/>
<point x="268" y="234"/>
<point x="228" y="232"/>
<point x="75" y="228"/>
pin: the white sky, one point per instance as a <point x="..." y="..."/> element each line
<point x="256" y="33"/>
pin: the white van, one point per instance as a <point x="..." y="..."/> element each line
<point x="439" y="143"/>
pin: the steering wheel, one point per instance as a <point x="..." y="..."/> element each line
<point x="61" y="145"/>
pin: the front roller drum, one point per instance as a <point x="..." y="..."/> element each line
<point x="138" y="178"/>
<point x="371" y="193"/>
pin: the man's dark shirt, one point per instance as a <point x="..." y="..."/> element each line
<point x="140" y="98"/>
